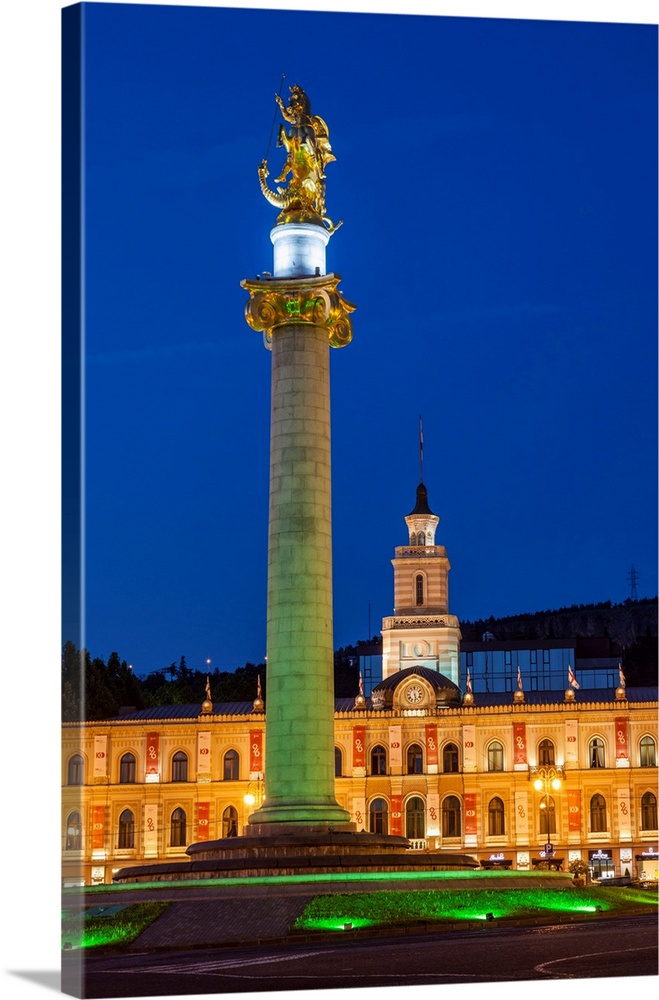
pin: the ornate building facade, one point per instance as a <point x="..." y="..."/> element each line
<point x="517" y="780"/>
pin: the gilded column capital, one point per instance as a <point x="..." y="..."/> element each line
<point x="275" y="302"/>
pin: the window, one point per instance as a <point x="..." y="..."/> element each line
<point x="127" y="769"/>
<point x="496" y="819"/>
<point x="421" y="538"/>
<point x="230" y="822"/>
<point x="378" y="760"/>
<point x="547" y="815"/>
<point x="596" y="752"/>
<point x="231" y="762"/>
<point x="648" y="755"/>
<point x="74" y="832"/>
<point x="415" y="825"/>
<point x="507" y="657"/>
<point x="338" y="762"/>
<point x="180" y="766"/>
<point x="378" y="821"/>
<point x="76" y="770"/>
<point x="126" y="830"/>
<point x="414" y="759"/>
<point x="470" y="659"/>
<point x="545" y="656"/>
<point x="533" y="656"/>
<point x="649" y="811"/>
<point x="413" y="538"/>
<point x="598" y="814"/>
<point x="495" y="756"/>
<point x="451" y="816"/>
<point x="546" y="752"/>
<point x="419" y="589"/>
<point x="450" y="759"/>
<point x="177" y="837"/>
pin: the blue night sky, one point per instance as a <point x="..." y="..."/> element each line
<point x="498" y="185"/>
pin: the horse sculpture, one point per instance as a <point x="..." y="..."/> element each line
<point x="308" y="151"/>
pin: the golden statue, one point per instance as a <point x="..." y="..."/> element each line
<point x="308" y="151"/>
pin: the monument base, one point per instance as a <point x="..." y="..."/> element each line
<point x="297" y="853"/>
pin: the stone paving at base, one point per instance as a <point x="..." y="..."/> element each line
<point x="204" y="923"/>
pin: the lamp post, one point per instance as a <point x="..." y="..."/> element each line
<point x="547" y="778"/>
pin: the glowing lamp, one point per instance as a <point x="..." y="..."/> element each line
<point x="537" y="784"/>
<point x="249" y="799"/>
<point x="556" y="783"/>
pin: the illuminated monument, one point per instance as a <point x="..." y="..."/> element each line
<point x="301" y="313"/>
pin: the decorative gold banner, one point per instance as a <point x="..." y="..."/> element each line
<point x="359" y="746"/>
<point x="152" y="755"/>
<point x="203" y="820"/>
<point x="519" y="739"/>
<point x="431" y="743"/>
<point x="574" y="810"/>
<point x="256" y="751"/>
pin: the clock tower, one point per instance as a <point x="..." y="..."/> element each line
<point x="421" y="632"/>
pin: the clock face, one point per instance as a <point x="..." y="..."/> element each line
<point x="414" y="694"/>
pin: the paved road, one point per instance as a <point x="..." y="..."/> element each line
<point x="605" y="948"/>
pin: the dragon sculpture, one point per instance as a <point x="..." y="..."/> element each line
<point x="308" y="151"/>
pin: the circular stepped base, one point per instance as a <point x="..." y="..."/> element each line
<point x="296" y="854"/>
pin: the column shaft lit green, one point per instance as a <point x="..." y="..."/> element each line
<point x="299" y="758"/>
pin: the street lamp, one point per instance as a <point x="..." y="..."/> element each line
<point x="547" y="778"/>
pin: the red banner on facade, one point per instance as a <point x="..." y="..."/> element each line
<point x="203" y="820"/>
<point x="256" y="750"/>
<point x="152" y="753"/>
<point x="574" y="810"/>
<point x="622" y="746"/>
<point x="397" y="815"/>
<point x="519" y="739"/>
<point x="470" y="813"/>
<point x="359" y="746"/>
<point x="431" y="743"/>
<point x="98" y="828"/>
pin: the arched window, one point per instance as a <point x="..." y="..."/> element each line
<point x="378" y="760"/>
<point x="596" y="756"/>
<point x="598" y="814"/>
<point x="338" y="762"/>
<point x="74" y="832"/>
<point x="231" y="765"/>
<point x="546" y="753"/>
<point x="180" y="766"/>
<point x="496" y="818"/>
<point x="547" y="815"/>
<point x="414" y="759"/>
<point x="451" y="826"/>
<point x="649" y="811"/>
<point x="450" y="759"/>
<point x="230" y="822"/>
<point x="126" y="830"/>
<point x="127" y="769"/>
<point x="648" y="753"/>
<point x="415" y="818"/>
<point x="177" y="826"/>
<point x="378" y="819"/>
<point x="495" y="756"/>
<point x="421" y="538"/>
<point x="76" y="768"/>
<point x="419" y="589"/>
<point x="413" y="538"/>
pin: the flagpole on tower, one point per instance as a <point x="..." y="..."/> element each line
<point x="420" y="451"/>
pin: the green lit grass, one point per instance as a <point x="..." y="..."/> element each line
<point x="400" y="908"/>
<point x="117" y="928"/>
